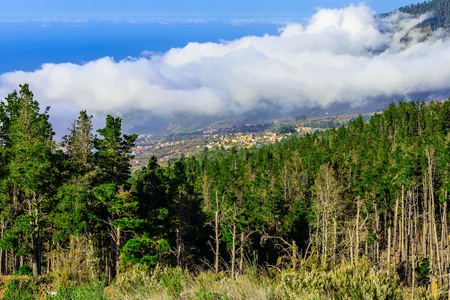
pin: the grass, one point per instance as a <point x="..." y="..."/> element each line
<point x="361" y="281"/>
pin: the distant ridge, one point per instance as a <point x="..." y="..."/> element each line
<point x="439" y="8"/>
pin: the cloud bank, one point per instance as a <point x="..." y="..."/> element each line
<point x="341" y="55"/>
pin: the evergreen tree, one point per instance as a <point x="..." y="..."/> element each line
<point x="75" y="209"/>
<point x="149" y="244"/>
<point x="117" y="204"/>
<point x="31" y="172"/>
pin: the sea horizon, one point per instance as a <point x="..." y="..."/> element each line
<point x="27" y="45"/>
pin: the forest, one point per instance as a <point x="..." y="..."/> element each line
<point x="354" y="212"/>
<point x="440" y="10"/>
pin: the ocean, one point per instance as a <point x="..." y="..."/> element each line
<point x="27" y="45"/>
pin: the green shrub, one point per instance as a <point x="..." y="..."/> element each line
<point x="144" y="251"/>
<point x="89" y="291"/>
<point x="24" y="270"/>
<point x="20" y="288"/>
<point x="343" y="282"/>
<point x="174" y="279"/>
<point x="203" y="294"/>
<point x="139" y="282"/>
<point x="423" y="272"/>
<point x="75" y="264"/>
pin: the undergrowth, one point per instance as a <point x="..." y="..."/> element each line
<point x="360" y="281"/>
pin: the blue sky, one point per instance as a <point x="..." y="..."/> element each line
<point x="178" y="8"/>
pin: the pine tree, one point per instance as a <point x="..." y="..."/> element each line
<point x="31" y="170"/>
<point x="117" y="204"/>
<point x="75" y="209"/>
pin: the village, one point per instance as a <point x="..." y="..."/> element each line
<point x="165" y="148"/>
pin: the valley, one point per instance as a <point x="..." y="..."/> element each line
<point x="168" y="146"/>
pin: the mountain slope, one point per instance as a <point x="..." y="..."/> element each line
<point x="439" y="8"/>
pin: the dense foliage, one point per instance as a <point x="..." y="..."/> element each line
<point x="440" y="10"/>
<point x="376" y="189"/>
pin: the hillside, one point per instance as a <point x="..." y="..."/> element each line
<point x="439" y="8"/>
<point x="314" y="203"/>
<point x="170" y="146"/>
<point x="358" y="210"/>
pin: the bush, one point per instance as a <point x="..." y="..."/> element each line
<point x="89" y="291"/>
<point x="20" y="288"/>
<point x="203" y="294"/>
<point x="74" y="264"/>
<point x="174" y="279"/>
<point x="343" y="282"/>
<point x="144" y="251"/>
<point x="423" y="272"/>
<point x="138" y="282"/>
<point x="24" y="270"/>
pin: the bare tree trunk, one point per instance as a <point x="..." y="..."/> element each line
<point x="438" y="250"/>
<point x="16" y="263"/>
<point x="389" y="246"/>
<point x="36" y="259"/>
<point x="357" y="228"/>
<point x="107" y="268"/>
<point x="217" y="242"/>
<point x="7" y="260"/>
<point x="334" y="240"/>
<point x="241" y="253"/>
<point x="413" y="275"/>
<point x="112" y="259"/>
<point x="3" y="257"/>
<point x="436" y="240"/>
<point x="386" y="234"/>
<point x="377" y="228"/>
<point x="294" y="255"/>
<point x="395" y="230"/>
<point x="444" y="238"/>
<point x="326" y="190"/>
<point x="233" y="252"/>
<point x="408" y="236"/>
<point x="318" y="222"/>
<point x="429" y="151"/>
<point x="402" y="227"/>
<point x="430" y="230"/>
<point x="325" y="244"/>
<point x="350" y="235"/>
<point x="118" y="246"/>
<point x="218" y="217"/>
<point x="443" y="233"/>
<point x="2" y="262"/>
<point x="2" y="253"/>
<point x="416" y="238"/>
<point x="179" y="246"/>
<point x="180" y="228"/>
<point x="425" y="225"/>
<point x="49" y="259"/>
<point x="233" y="232"/>
<point x="35" y="239"/>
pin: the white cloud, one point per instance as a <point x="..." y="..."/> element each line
<point x="276" y="21"/>
<point x="345" y="55"/>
